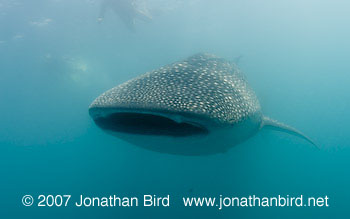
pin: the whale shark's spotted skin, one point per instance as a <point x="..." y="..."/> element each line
<point x="202" y="85"/>
<point x="199" y="106"/>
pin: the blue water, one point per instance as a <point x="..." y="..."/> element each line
<point x="55" y="59"/>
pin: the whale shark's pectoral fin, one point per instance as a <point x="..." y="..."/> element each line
<point x="278" y="126"/>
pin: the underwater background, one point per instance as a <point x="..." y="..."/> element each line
<point x="55" y="59"/>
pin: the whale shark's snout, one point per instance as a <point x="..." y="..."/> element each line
<point x="202" y="105"/>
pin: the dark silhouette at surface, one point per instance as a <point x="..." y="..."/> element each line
<point x="126" y="11"/>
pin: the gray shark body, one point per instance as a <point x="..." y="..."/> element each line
<point x="201" y="105"/>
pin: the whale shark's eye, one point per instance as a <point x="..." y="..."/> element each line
<point x="147" y="124"/>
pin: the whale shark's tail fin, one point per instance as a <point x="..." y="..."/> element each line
<point x="278" y="126"/>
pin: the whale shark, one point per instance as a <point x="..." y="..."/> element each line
<point x="198" y="106"/>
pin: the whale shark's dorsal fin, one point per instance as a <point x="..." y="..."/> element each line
<point x="278" y="126"/>
<point x="237" y="59"/>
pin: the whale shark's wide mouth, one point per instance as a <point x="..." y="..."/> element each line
<point x="148" y="124"/>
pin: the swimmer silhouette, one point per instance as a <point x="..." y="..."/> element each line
<point x="125" y="9"/>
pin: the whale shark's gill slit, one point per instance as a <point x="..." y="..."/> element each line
<point x="148" y="124"/>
